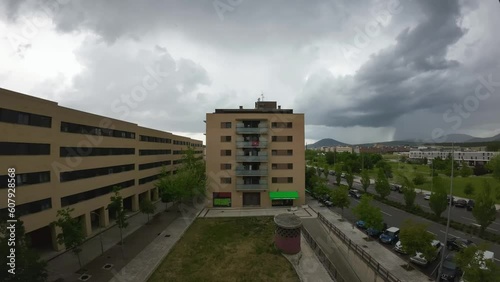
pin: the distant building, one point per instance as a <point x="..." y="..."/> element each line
<point x="340" y="149"/>
<point x="472" y="157"/>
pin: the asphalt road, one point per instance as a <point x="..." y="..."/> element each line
<point x="395" y="217"/>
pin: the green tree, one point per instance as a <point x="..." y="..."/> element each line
<point x="116" y="206"/>
<point x="419" y="179"/>
<point x="439" y="199"/>
<point x="371" y="215"/>
<point x="415" y="238"/>
<point x="147" y="207"/>
<point x="340" y="198"/>
<point x="475" y="268"/>
<point x="28" y="265"/>
<point x="465" y="170"/>
<point x="338" y="173"/>
<point x="365" y="180"/>
<point x="382" y="184"/>
<point x="330" y="158"/>
<point x="325" y="171"/>
<point x="349" y="178"/>
<point x="72" y="235"/>
<point x="322" y="190"/>
<point x="469" y="189"/>
<point x="484" y="210"/>
<point x="409" y="193"/>
<point x="387" y="168"/>
<point x="494" y="165"/>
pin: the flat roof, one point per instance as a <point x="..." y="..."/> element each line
<point x="253" y="111"/>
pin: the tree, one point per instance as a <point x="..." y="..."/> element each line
<point x="116" y="206"/>
<point x="439" y="199"/>
<point x="419" y="179"/>
<point x="415" y="238"/>
<point x="325" y="171"/>
<point x="475" y="268"/>
<point x="371" y="215"/>
<point x="338" y="173"/>
<point x="409" y="193"/>
<point x="72" y="235"/>
<point x="494" y="165"/>
<point x="382" y="184"/>
<point x="425" y="161"/>
<point x="386" y="167"/>
<point x="340" y="198"/>
<point x="330" y="158"/>
<point x="465" y="170"/>
<point x="469" y="189"/>
<point x="147" y="207"/>
<point x="349" y="178"/>
<point x="480" y="170"/>
<point x="365" y="180"/>
<point x="484" y="210"/>
<point x="29" y="266"/>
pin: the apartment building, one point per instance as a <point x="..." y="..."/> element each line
<point x="68" y="158"/>
<point x="471" y="158"/>
<point x="255" y="157"/>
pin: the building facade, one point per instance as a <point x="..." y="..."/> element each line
<point x="255" y="157"/>
<point x="472" y="158"/>
<point x="64" y="158"/>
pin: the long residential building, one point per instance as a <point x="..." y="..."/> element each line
<point x="255" y="157"/>
<point x="472" y="158"/>
<point x="65" y="158"/>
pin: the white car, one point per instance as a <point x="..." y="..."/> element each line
<point x="427" y="196"/>
<point x="487" y="255"/>
<point x="419" y="258"/>
<point x="399" y="248"/>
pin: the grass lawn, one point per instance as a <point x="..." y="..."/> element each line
<point x="226" y="249"/>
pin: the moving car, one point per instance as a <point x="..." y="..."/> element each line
<point x="354" y="193"/>
<point x="390" y="235"/>
<point x="470" y="205"/>
<point x="461" y="203"/>
<point x="458" y="244"/>
<point x="450" y="270"/>
<point x="419" y="258"/>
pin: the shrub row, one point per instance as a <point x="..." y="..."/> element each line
<point x="417" y="210"/>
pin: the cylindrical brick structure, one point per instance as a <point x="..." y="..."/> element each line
<point x="287" y="233"/>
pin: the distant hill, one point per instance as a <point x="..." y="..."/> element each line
<point x="327" y="142"/>
<point x="486" y="139"/>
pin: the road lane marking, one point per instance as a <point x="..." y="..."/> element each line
<point x="492" y="229"/>
<point x="497" y="259"/>
<point x="448" y="234"/>
<point x="432" y="233"/>
<point x="386" y="213"/>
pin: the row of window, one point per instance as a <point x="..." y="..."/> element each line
<point x="18" y="117"/>
<point x="155" y="139"/>
<point x="227" y="180"/>
<point x="152" y="165"/>
<point x="177" y="142"/>
<point x="16" y="148"/>
<point x="26" y="178"/>
<point x="273" y="152"/>
<point x="149" y="179"/>
<point x="177" y="161"/>
<point x="32" y="207"/>
<point x="94" y="130"/>
<point x="87" y="195"/>
<point x="154" y="152"/>
<point x="273" y="166"/>
<point x="274" y="138"/>
<point x="228" y="124"/>
<point x="94" y="151"/>
<point x="88" y="173"/>
<point x="178" y="152"/>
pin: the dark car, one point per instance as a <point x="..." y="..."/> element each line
<point x="372" y="232"/>
<point x="354" y="193"/>
<point x="452" y="199"/>
<point x="390" y="236"/>
<point x="458" y="244"/>
<point x="460" y="203"/>
<point x="361" y="224"/>
<point x="470" y="205"/>
<point x="450" y="271"/>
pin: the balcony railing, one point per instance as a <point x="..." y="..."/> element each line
<point x="254" y="187"/>
<point x="251" y="130"/>
<point x="247" y="172"/>
<point x="260" y="158"/>
<point x="251" y="144"/>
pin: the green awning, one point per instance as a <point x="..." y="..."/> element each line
<point x="285" y="195"/>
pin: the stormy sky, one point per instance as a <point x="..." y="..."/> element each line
<point x="361" y="71"/>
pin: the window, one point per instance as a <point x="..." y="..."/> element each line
<point x="12" y="116"/>
<point x="225" y="139"/>
<point x="93" y="130"/>
<point x="282" y="152"/>
<point x="225" y="125"/>
<point x="282" y="179"/>
<point x="152" y="165"/>
<point x="225" y="180"/>
<point x="154" y="152"/>
<point x="94" y="172"/>
<point x="282" y="138"/>
<point x="18" y="149"/>
<point x="154" y="139"/>
<point x="32" y="207"/>
<point x="87" y="195"/>
<point x="281" y="125"/>
<point x="149" y="179"/>
<point x="225" y="152"/>
<point x="225" y="166"/>
<point x="90" y="152"/>
<point x="282" y="166"/>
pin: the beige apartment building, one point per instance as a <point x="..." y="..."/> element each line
<point x="64" y="158"/>
<point x="255" y="157"/>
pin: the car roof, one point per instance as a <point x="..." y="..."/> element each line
<point x="392" y="229"/>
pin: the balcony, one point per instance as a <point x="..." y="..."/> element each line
<point x="247" y="172"/>
<point x="251" y="144"/>
<point x="261" y="129"/>
<point x="259" y="158"/>
<point x="251" y="187"/>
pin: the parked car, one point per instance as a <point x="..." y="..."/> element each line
<point x="419" y="258"/>
<point x="360" y="224"/>
<point x="458" y="244"/>
<point x="354" y="193"/>
<point x="390" y="235"/>
<point x="487" y="255"/>
<point x="331" y="172"/>
<point x="470" y="205"/>
<point x="450" y="271"/>
<point x="399" y="248"/>
<point x="427" y="196"/>
<point x="452" y="199"/>
<point x="372" y="232"/>
<point x="342" y="175"/>
<point x="328" y="203"/>
<point x="461" y="203"/>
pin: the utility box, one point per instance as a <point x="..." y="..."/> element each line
<point x="287" y="233"/>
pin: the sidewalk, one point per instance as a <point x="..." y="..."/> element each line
<point x="63" y="267"/>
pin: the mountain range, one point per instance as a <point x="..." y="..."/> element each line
<point x="456" y="138"/>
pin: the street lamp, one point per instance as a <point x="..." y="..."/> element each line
<point x="100" y="231"/>
<point x="449" y="209"/>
